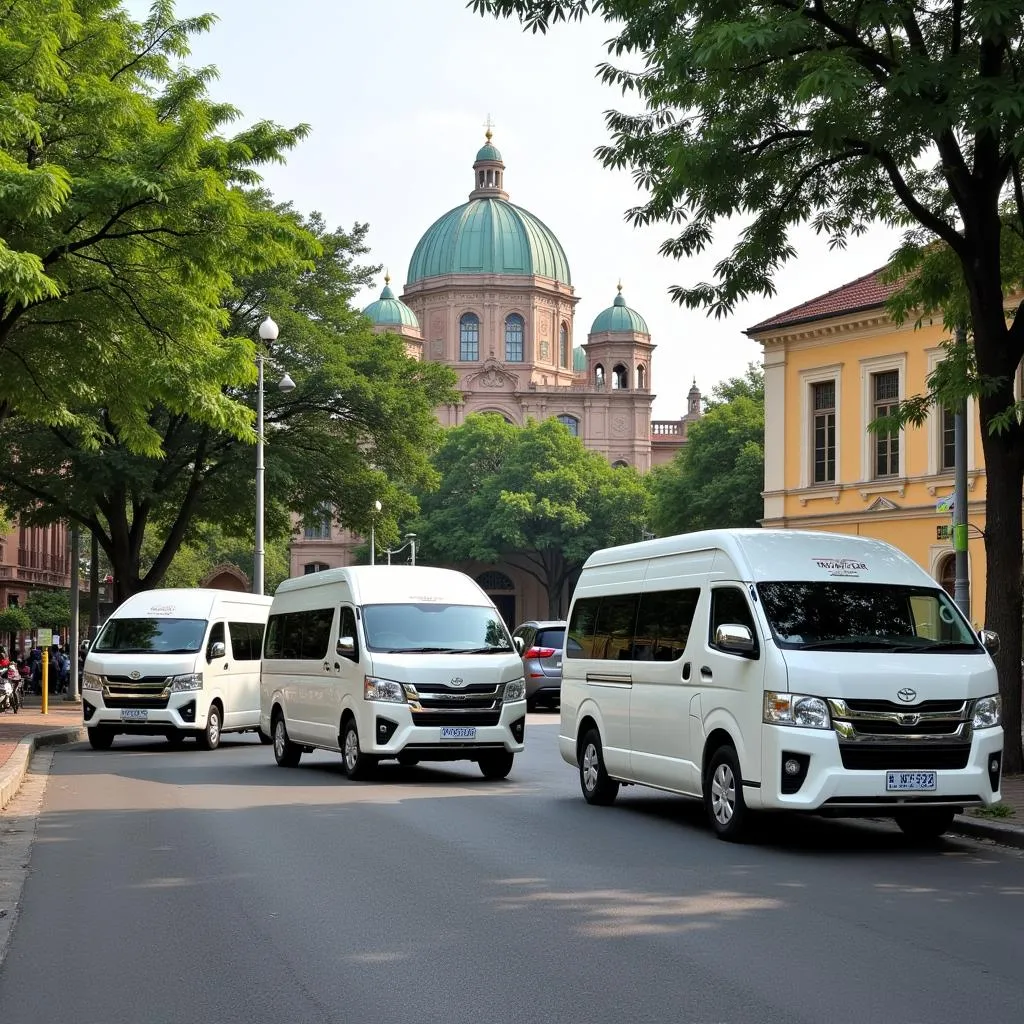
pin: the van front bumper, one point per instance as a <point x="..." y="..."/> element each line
<point x="825" y="786"/>
<point x="184" y="711"/>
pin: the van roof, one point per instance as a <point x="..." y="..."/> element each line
<point x="383" y="584"/>
<point x="184" y="602"/>
<point x="783" y="555"/>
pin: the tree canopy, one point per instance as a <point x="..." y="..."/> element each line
<point x="531" y="496"/>
<point x="839" y="114"/>
<point x="717" y="479"/>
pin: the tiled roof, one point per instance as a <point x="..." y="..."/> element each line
<point x="867" y="292"/>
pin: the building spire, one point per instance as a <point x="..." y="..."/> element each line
<point x="488" y="125"/>
<point x="488" y="169"/>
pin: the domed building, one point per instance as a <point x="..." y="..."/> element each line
<point x="489" y="292"/>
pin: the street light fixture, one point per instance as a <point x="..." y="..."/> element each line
<point x="268" y="334"/>
<point x="377" y="506"/>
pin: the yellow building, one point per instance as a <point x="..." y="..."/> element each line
<point x="832" y="365"/>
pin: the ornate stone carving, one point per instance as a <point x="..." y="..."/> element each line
<point x="544" y="349"/>
<point x="493" y="377"/>
<point x="619" y="425"/>
<point x="437" y="324"/>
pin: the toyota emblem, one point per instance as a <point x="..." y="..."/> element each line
<point x="458" y="681"/>
<point x="907" y="695"/>
<point x="135" y="674"/>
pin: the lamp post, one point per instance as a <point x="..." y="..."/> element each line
<point x="268" y="333"/>
<point x="373" y="536"/>
<point x="410" y="542"/>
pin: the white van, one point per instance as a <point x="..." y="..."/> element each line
<point x="176" y="663"/>
<point x="405" y="662"/>
<point x="779" y="669"/>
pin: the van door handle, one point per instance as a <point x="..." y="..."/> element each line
<point x="327" y="666"/>
<point x="686" y="670"/>
<point x="337" y="666"/>
<point x="705" y="672"/>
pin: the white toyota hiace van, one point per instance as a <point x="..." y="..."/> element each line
<point x="406" y="662"/>
<point x="779" y="669"/>
<point x="176" y="663"/>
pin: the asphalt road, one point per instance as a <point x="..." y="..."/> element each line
<point x="216" y="887"/>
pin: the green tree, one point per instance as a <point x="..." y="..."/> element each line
<point x="359" y="426"/>
<point x="123" y="218"/>
<point x="12" y="621"/>
<point x="48" y="608"/>
<point x="841" y="113"/>
<point x="717" y="479"/>
<point x="532" y="496"/>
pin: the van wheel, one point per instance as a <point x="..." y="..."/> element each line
<point x="209" y="738"/>
<point x="926" y="824"/>
<point x="497" y="765"/>
<point x="723" y="795"/>
<point x="357" y="765"/>
<point x="597" y="785"/>
<point x="101" y="739"/>
<point x="286" y="753"/>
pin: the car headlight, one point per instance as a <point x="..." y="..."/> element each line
<point x="795" y="709"/>
<point x="191" y="681"/>
<point x="515" y="690"/>
<point x="92" y="681"/>
<point x="383" y="689"/>
<point x="988" y="712"/>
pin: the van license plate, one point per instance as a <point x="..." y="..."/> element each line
<point x="909" y="782"/>
<point x="134" y="715"/>
<point x="458" y="732"/>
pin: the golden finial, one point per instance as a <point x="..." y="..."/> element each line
<point x="488" y="125"/>
<point x="620" y="285"/>
<point x="387" y="277"/>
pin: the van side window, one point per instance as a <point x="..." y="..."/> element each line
<point x="613" y="631"/>
<point x="663" y="624"/>
<point x="246" y="640"/>
<point x="347" y="627"/>
<point x="581" y="628"/>
<point x="299" y="635"/>
<point x="729" y="605"/>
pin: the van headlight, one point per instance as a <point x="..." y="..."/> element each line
<point x="798" y="709"/>
<point x="988" y="712"/>
<point x="192" y="681"/>
<point x="515" y="690"/>
<point x="92" y="681"/>
<point x="383" y="689"/>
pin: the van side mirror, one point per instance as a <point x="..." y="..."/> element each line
<point x="347" y="646"/>
<point x="520" y="646"/>
<point x="217" y="650"/>
<point x="990" y="640"/>
<point x="731" y="636"/>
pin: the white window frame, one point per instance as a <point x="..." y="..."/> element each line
<point x="868" y="368"/>
<point x="934" y="425"/>
<point x="819" y="375"/>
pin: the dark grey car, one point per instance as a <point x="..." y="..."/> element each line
<point x="542" y="660"/>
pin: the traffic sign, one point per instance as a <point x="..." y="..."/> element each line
<point x="943" y="532"/>
<point x="45" y="637"/>
<point x="945" y="503"/>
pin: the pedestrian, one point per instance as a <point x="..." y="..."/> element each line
<point x="54" y="670"/>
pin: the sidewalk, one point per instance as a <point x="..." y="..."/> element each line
<point x="20" y="734"/>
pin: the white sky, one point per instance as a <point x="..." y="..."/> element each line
<point x="397" y="93"/>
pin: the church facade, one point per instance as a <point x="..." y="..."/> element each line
<point x="489" y="293"/>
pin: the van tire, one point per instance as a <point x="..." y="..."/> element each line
<point x="209" y="738"/>
<point x="496" y="765"/>
<point x="599" y="788"/>
<point x="286" y="753"/>
<point x="723" y="795"/>
<point x="926" y="824"/>
<point x="101" y="739"/>
<point x="354" y="762"/>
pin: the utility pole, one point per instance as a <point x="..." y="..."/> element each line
<point x="94" y="588"/>
<point x="73" y="639"/>
<point x="962" y="585"/>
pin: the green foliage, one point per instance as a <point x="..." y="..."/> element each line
<point x="533" y="496"/>
<point x="123" y="218"/>
<point x="717" y="479"/>
<point x="48" y="608"/>
<point x="13" y="620"/>
<point x="999" y="811"/>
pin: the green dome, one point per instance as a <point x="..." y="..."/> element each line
<point x="579" y="359"/>
<point x="489" y="152"/>
<point x="489" y="236"/>
<point x="389" y="311"/>
<point x="619" y="317"/>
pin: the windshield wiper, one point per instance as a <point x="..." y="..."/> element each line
<point x="850" y="645"/>
<point x="938" y="645"/>
<point x="487" y="650"/>
<point x="425" y="650"/>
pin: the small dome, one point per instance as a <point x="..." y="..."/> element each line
<point x="618" y="317"/>
<point x="579" y="359"/>
<point x="389" y="311"/>
<point x="488" y="152"/>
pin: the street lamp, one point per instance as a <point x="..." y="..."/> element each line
<point x="373" y="539"/>
<point x="268" y="333"/>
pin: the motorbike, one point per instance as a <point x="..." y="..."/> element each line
<point x="10" y="689"/>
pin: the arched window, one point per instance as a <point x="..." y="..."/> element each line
<point x="571" y="422"/>
<point x="641" y="376"/>
<point x="514" y="329"/>
<point x="620" y="378"/>
<point x="563" y="345"/>
<point x="311" y="567"/>
<point x="494" y="580"/>
<point x="469" y="337"/>
<point x="947" y="574"/>
<point x="318" y="525"/>
<point x="619" y="464"/>
<point x="599" y="376"/>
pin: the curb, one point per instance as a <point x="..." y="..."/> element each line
<point x="13" y="772"/>
<point x="1007" y="835"/>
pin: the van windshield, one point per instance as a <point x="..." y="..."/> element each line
<point x="151" y="636"/>
<point x="851" y="616"/>
<point x="435" y="629"/>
